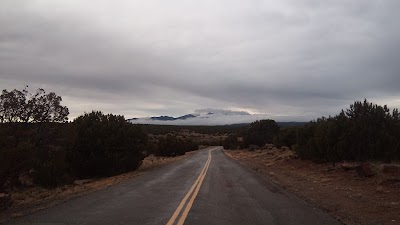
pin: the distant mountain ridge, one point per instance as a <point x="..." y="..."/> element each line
<point x="170" y="118"/>
<point x="209" y="117"/>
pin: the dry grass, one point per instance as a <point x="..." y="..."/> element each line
<point x="268" y="157"/>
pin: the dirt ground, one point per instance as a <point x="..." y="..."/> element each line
<point x="29" y="200"/>
<point x="343" y="194"/>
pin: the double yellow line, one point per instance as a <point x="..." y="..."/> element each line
<point x="193" y="190"/>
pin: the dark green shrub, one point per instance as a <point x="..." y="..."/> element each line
<point x="14" y="161"/>
<point x="106" y="145"/>
<point x="51" y="167"/>
<point x="286" y="137"/>
<point x="261" y="132"/>
<point x="37" y="146"/>
<point x="171" y="145"/>
<point x="231" y="142"/>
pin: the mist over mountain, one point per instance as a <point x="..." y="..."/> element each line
<point x="210" y="111"/>
<point x="207" y="116"/>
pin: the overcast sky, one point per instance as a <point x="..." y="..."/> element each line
<point x="288" y="59"/>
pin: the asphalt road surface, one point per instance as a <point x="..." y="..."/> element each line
<point x="206" y="188"/>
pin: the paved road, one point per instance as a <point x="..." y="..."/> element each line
<point x="206" y="188"/>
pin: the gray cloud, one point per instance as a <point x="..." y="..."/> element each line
<point x="222" y="112"/>
<point x="297" y="59"/>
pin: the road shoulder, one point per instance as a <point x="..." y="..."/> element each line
<point x="345" y="196"/>
<point x="30" y="200"/>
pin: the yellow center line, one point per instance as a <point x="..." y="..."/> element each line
<point x="178" y="210"/>
<point x="190" y="203"/>
<point x="196" y="186"/>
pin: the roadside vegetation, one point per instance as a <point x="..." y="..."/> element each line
<point x="208" y="130"/>
<point x="40" y="147"/>
<point x="363" y="132"/>
<point x="38" y="142"/>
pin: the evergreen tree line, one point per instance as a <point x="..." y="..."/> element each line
<point x="93" y="145"/>
<point x="171" y="145"/>
<point x="168" y="129"/>
<point x="365" y="131"/>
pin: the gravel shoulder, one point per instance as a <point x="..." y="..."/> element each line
<point x="343" y="194"/>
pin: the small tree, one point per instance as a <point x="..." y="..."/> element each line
<point x="262" y="132"/>
<point x="106" y="145"/>
<point x="22" y="106"/>
<point x="171" y="145"/>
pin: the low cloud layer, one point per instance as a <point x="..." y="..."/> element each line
<point x="294" y="59"/>
<point x="211" y="120"/>
<point x="222" y="112"/>
<point x="211" y="117"/>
